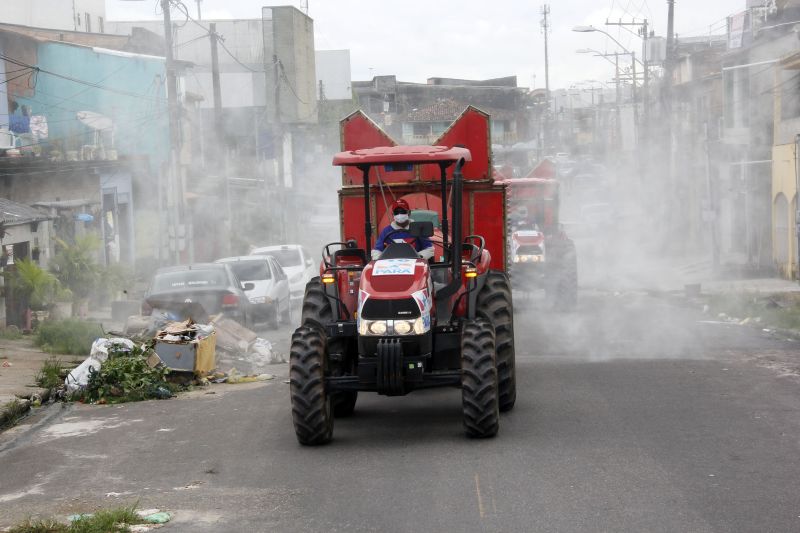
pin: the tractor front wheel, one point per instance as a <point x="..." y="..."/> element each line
<point x="495" y="304"/>
<point x="311" y="405"/>
<point x="479" y="391"/>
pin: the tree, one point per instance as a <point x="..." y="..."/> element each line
<point x="74" y="265"/>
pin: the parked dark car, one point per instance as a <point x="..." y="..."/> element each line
<point x="199" y="291"/>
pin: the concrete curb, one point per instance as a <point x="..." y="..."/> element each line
<point x="16" y="409"/>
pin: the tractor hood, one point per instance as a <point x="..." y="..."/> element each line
<point x="394" y="278"/>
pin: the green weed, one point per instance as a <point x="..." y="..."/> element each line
<point x="106" y="521"/>
<point x="50" y="376"/>
<point x="70" y="336"/>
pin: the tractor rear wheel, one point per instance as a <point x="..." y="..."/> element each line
<point x="479" y="396"/>
<point x="495" y="304"/>
<point x="311" y="405"/>
<point x="316" y="313"/>
<point x="562" y="276"/>
<point x="316" y="306"/>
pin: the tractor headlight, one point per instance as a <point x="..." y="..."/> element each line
<point x="403" y="327"/>
<point x="377" y="328"/>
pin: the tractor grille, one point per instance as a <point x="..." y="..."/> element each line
<point x="377" y="309"/>
<point x="529" y="249"/>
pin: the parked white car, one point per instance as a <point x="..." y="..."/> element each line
<point x="296" y="262"/>
<point x="269" y="296"/>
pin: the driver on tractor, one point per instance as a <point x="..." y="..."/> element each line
<point x="398" y="230"/>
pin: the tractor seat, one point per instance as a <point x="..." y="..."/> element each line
<point x="400" y="250"/>
<point x="350" y="254"/>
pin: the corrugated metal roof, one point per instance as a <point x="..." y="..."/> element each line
<point x="12" y="213"/>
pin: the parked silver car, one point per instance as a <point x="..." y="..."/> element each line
<point x="269" y="295"/>
<point x="296" y="262"/>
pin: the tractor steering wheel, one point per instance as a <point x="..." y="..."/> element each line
<point x="393" y="232"/>
<point x="477" y="250"/>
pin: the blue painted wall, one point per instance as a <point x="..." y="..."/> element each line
<point x="140" y="122"/>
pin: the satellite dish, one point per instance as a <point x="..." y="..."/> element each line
<point x="96" y="121"/>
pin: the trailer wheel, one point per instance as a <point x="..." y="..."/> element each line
<point x="562" y="277"/>
<point x="495" y="304"/>
<point x="311" y="405"/>
<point x="316" y="313"/>
<point x="479" y="397"/>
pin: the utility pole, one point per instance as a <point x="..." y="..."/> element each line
<point x="619" y="104"/>
<point x="276" y="64"/>
<point x="545" y="23"/>
<point x="221" y="146"/>
<point x="174" y="188"/>
<point x="215" y="78"/>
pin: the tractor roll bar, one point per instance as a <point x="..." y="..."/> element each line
<point x="455" y="283"/>
<point x="445" y="229"/>
<point x="367" y="219"/>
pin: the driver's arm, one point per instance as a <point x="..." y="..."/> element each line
<point x="425" y="248"/>
<point x="377" y="250"/>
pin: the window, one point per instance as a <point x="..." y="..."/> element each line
<point x="88" y="22"/>
<point x="102" y="25"/>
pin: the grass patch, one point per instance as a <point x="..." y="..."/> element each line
<point x="781" y="310"/>
<point x="51" y="375"/>
<point x="106" y="521"/>
<point x="12" y="413"/>
<point x="11" y="334"/>
<point x="70" y="336"/>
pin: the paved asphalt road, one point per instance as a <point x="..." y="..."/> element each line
<point x="633" y="415"/>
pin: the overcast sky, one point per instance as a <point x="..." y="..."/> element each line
<point x="474" y="39"/>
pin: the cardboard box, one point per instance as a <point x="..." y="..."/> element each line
<point x="198" y="356"/>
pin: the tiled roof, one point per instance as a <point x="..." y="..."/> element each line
<point x="12" y="213"/>
<point x="447" y="110"/>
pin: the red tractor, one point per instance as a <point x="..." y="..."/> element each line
<point x="400" y="323"/>
<point x="541" y="254"/>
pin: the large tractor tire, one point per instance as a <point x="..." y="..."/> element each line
<point x="316" y="313"/>
<point x="479" y="395"/>
<point x="312" y="412"/>
<point x="495" y="304"/>
<point x="561" y="288"/>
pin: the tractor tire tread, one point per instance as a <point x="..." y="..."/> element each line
<point x="311" y="411"/>
<point x="479" y="391"/>
<point x="496" y="305"/>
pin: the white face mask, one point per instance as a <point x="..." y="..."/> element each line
<point x="401" y="219"/>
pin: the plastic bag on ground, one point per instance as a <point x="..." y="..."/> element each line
<point x="79" y="376"/>
<point x="262" y="353"/>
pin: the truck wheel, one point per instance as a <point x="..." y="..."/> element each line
<point x="495" y="304"/>
<point x="311" y="405"/>
<point x="479" y="397"/>
<point x="562" y="277"/>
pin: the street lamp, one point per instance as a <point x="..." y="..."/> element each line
<point x="587" y="29"/>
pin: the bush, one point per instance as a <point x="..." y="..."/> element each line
<point x="71" y="336"/>
<point x="125" y="377"/>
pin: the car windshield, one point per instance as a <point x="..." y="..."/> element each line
<point x="251" y="270"/>
<point x="189" y="279"/>
<point x="286" y="258"/>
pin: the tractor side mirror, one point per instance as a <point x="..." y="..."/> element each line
<point x="421" y="229"/>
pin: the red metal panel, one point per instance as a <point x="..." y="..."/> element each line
<point x="357" y="131"/>
<point x="471" y="130"/>
<point x="489" y="222"/>
<point x="352" y="216"/>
